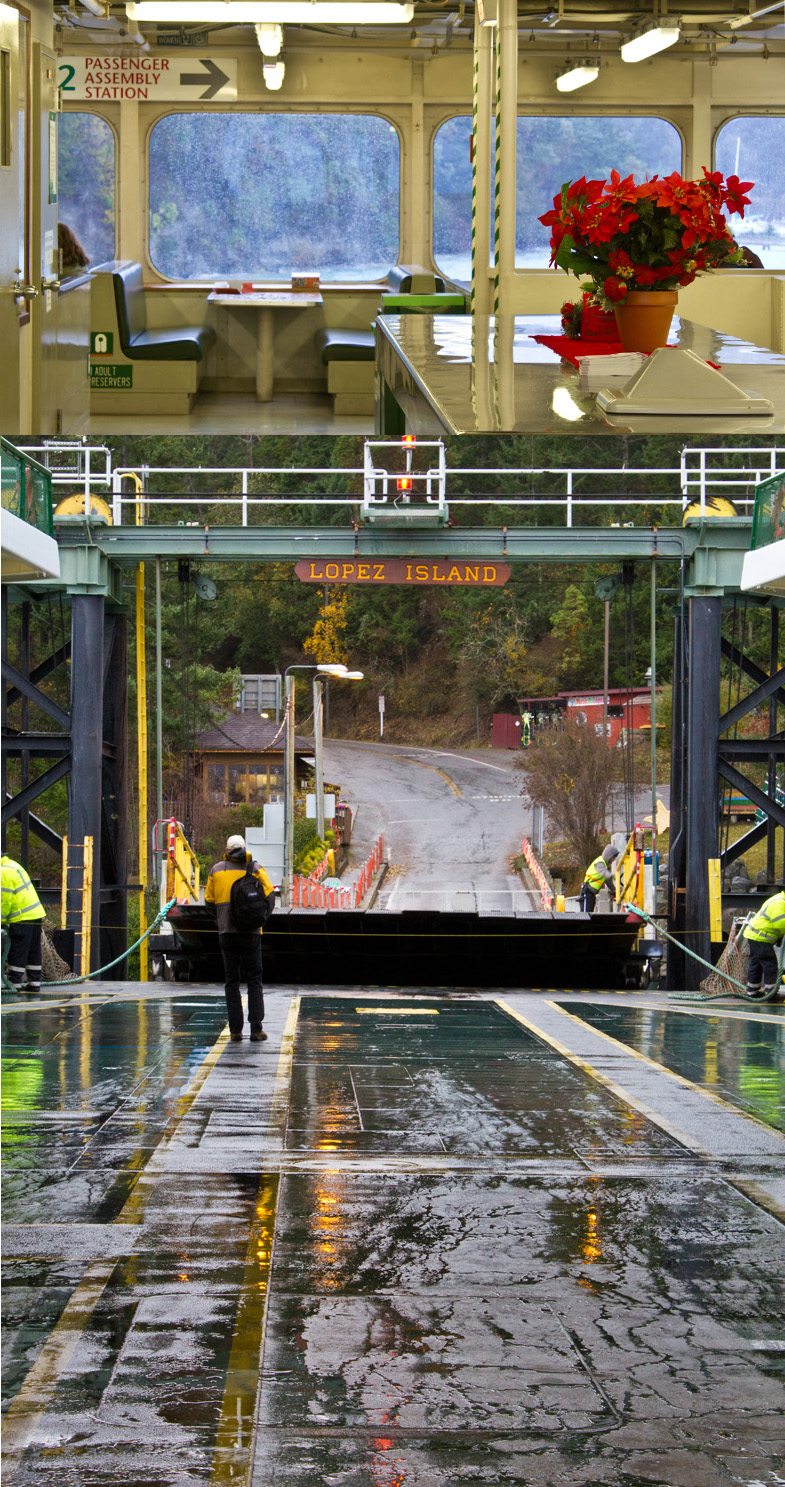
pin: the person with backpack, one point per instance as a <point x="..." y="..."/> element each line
<point x="242" y="896"/>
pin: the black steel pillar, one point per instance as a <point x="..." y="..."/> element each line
<point x="3" y="704"/>
<point x="702" y="792"/>
<point x="771" y="785"/>
<point x="676" y="856"/>
<point x="87" y="670"/>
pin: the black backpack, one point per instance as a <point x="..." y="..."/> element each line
<point x="250" y="907"/>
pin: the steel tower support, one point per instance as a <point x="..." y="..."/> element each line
<point x="702" y="778"/>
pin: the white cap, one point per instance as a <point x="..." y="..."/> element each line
<point x="235" y="844"/>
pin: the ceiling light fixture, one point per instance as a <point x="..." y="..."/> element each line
<point x="656" y="39"/>
<point x="270" y="39"/>
<point x="744" y="20"/>
<point x="274" y="73"/>
<point x="577" y="77"/>
<point x="271" y="12"/>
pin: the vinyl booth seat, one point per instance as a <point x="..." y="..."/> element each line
<point x="135" y="368"/>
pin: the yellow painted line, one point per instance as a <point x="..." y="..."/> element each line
<point x="616" y="1089"/>
<point x="233" y="1458"/>
<point x="30" y="1403"/>
<point x="398" y="1011"/>
<point x="698" y="1089"/>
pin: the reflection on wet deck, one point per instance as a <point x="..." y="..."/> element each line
<point x="408" y="1242"/>
<point x="740" y="1056"/>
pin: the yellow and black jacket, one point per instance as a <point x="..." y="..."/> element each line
<point x="20" y="900"/>
<point x="218" y="889"/>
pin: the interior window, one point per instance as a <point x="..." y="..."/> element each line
<point x="259" y="196"/>
<point x="86" y="182"/>
<point x="550" y="150"/>
<point x="754" y="149"/>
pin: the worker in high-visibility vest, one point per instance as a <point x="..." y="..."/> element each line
<point x="22" y="916"/>
<point x="764" y="931"/>
<point x="598" y="875"/>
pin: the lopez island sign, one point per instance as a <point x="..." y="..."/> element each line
<point x="403" y="570"/>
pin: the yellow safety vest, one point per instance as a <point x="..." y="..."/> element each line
<point x="20" y="900"/>
<point x="768" y="925"/>
<point x="597" y="874"/>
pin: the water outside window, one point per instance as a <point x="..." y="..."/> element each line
<point x="86" y="182"/>
<point x="550" y="150"/>
<point x="754" y="149"/>
<point x="261" y="195"/>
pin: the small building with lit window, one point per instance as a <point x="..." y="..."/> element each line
<point x="241" y="760"/>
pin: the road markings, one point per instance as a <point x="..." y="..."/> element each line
<point x="235" y="1435"/>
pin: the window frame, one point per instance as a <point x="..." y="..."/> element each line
<point x="585" y="111"/>
<point x="73" y="108"/>
<point x="359" y="110"/>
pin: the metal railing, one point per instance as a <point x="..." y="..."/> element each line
<point x="26" y="488"/>
<point x="702" y="472"/>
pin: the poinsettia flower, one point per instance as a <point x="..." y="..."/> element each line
<point x="644" y="276"/>
<point x="614" y="289"/>
<point x="734" y="194"/>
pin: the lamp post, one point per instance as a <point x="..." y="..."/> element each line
<point x="322" y="670"/>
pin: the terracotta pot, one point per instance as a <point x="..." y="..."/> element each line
<point x="644" y="318"/>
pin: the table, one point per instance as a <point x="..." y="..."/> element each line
<point x="466" y="374"/>
<point x="265" y="302"/>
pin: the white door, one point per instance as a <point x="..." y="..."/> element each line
<point x="16" y="287"/>
<point x="46" y="256"/>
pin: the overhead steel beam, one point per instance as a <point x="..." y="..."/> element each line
<point x="128" y="546"/>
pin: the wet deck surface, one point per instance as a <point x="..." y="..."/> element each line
<point x="528" y="1239"/>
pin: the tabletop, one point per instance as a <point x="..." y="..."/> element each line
<point x="266" y="299"/>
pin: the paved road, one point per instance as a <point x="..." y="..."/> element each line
<point x="451" y="821"/>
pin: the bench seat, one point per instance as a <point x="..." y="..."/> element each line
<point x="346" y="345"/>
<point x="350" y="359"/>
<point x="182" y="343"/>
<point x="135" y="368"/>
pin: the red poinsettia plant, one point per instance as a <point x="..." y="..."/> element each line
<point x="657" y="235"/>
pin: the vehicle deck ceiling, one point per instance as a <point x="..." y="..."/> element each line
<point x="556" y="29"/>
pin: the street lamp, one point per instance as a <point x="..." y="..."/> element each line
<point x="322" y="669"/>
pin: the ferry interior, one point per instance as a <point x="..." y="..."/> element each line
<point x="254" y="184"/>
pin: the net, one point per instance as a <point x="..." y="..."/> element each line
<point x="729" y="976"/>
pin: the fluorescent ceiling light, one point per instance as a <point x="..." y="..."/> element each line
<point x="270" y="12"/>
<point x="656" y="39"/>
<point x="270" y="39"/>
<point x="577" y="77"/>
<point x="274" y="73"/>
<point x="745" y="20"/>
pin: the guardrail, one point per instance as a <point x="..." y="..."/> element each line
<point x="310" y="893"/>
<point x="546" y="892"/>
<point x="702" y="471"/>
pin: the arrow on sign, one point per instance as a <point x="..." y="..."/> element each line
<point x="214" y="77"/>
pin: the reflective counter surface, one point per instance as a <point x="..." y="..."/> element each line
<point x="464" y="374"/>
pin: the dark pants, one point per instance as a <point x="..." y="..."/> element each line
<point x="24" y="953"/>
<point x="763" y="969"/>
<point x="242" y="958"/>
<point x="587" y="898"/>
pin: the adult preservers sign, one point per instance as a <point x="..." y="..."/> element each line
<point x="403" y="570"/>
<point x="147" y="79"/>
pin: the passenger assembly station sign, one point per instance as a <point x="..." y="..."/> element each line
<point x="403" y="570"/>
<point x="176" y="79"/>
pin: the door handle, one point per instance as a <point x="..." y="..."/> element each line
<point x="50" y="283"/>
<point x="25" y="291"/>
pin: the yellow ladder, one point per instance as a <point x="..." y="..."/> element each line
<point x="76" y="903"/>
